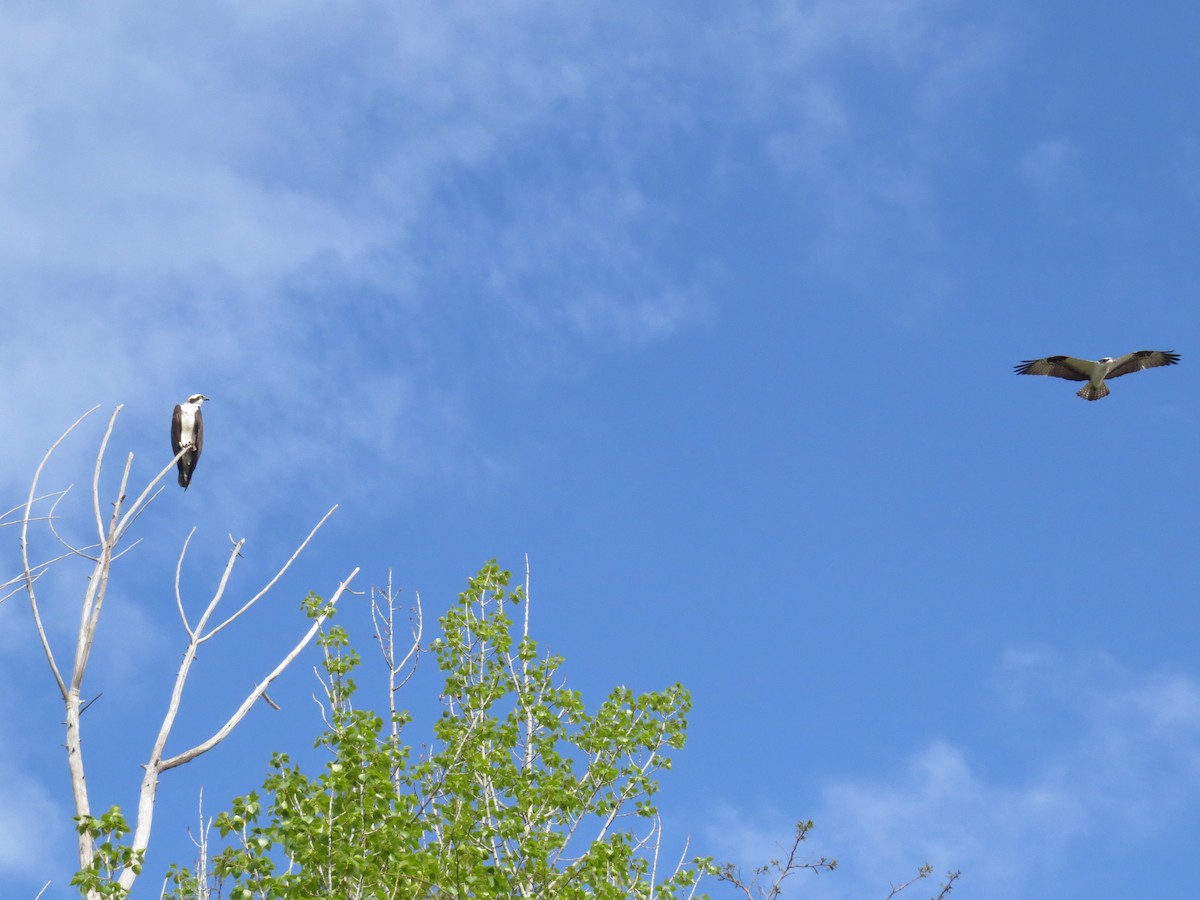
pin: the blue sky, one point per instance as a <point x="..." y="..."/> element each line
<point x="711" y="310"/>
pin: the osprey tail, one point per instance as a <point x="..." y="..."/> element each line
<point x="187" y="465"/>
<point x="1093" y="391"/>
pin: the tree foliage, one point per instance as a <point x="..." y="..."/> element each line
<point x="523" y="793"/>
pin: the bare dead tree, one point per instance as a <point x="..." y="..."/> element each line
<point x="101" y="555"/>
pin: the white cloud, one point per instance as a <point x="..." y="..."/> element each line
<point x="274" y="186"/>
<point x="31" y="826"/>
<point x="349" y="205"/>
<point x="1098" y="744"/>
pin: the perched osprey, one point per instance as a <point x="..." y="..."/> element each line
<point x="187" y="433"/>
<point x="1095" y="372"/>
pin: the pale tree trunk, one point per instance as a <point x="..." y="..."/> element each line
<point x="102" y="555"/>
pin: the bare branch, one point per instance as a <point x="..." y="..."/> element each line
<point x="178" y="572"/>
<point x="135" y="511"/>
<point x="270" y="584"/>
<point x="948" y="884"/>
<point x="781" y="870"/>
<point x="203" y="863"/>
<point x="93" y="600"/>
<point x="525" y="629"/>
<point x="320" y="705"/>
<point x="258" y="691"/>
<point x="157" y="764"/>
<point x="383" y="618"/>
<point x="29" y="577"/>
<point x="78" y="551"/>
<point x="37" y="571"/>
<point x="112" y="421"/>
<point x="235" y="554"/>
<point x="117" y="556"/>
<point x="70" y="695"/>
<point x="417" y="629"/>
<point x="925" y="871"/>
<point x="144" y="498"/>
<point x="20" y="507"/>
<point x="655" y="829"/>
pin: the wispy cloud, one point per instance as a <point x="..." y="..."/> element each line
<point x="859" y="101"/>
<point x="31" y="825"/>
<point x="1101" y="744"/>
<point x="347" y="206"/>
<point x="35" y="828"/>
<point x="265" y="201"/>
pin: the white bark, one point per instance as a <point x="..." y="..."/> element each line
<point x="111" y="530"/>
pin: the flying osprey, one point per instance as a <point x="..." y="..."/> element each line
<point x="187" y="433"/>
<point x="1094" y="372"/>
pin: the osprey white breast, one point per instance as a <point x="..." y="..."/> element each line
<point x="187" y="422"/>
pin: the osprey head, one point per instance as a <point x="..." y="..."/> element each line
<point x="197" y="399"/>
<point x="1103" y="359"/>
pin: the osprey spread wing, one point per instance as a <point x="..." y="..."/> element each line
<point x="187" y="434"/>
<point x="1094" y="372"/>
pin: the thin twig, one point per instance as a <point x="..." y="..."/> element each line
<point x="29" y="579"/>
<point x="270" y="584"/>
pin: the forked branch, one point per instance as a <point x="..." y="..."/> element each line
<point x="156" y="765"/>
<point x="100" y="557"/>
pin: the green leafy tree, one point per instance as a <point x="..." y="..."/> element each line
<point x="524" y="793"/>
